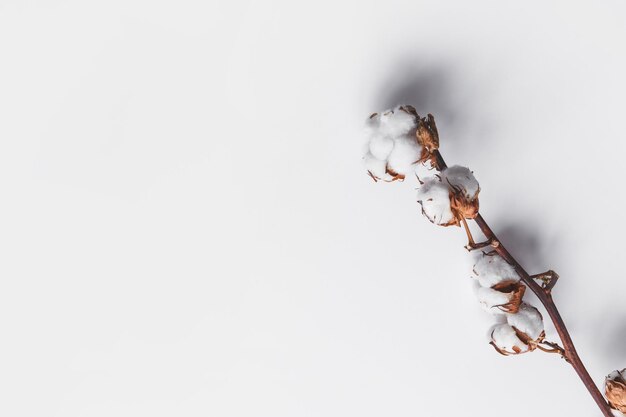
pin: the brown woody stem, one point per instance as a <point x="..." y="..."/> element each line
<point x="554" y="348"/>
<point x="545" y="296"/>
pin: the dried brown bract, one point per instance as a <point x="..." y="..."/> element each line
<point x="615" y="389"/>
<point x="395" y="175"/>
<point x="514" y="292"/>
<point x="463" y="206"/>
<point x="427" y="134"/>
<point x="407" y="108"/>
<point x="464" y="190"/>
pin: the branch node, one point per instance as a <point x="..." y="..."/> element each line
<point x="471" y="244"/>
<point x="548" y="280"/>
<point x="553" y="348"/>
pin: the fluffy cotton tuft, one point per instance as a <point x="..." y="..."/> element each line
<point x="461" y="178"/>
<point x="380" y="147"/>
<point x="376" y="167"/>
<point x="528" y="320"/>
<point x="392" y="142"/>
<point x="434" y="197"/>
<point x="426" y="170"/>
<point x="491" y="270"/>
<point x="393" y="122"/>
<point x="405" y="153"/>
<point x="492" y="300"/>
<point x="505" y="339"/>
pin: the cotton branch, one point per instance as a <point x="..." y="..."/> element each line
<point x="399" y="141"/>
<point x="544" y="294"/>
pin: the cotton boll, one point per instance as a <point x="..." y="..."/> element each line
<point x="392" y="140"/>
<point x="463" y="179"/>
<point x="405" y="153"/>
<point x="505" y="340"/>
<point x="522" y="332"/>
<point x="380" y="147"/>
<point x="465" y="191"/>
<point x="376" y="167"/>
<point x="528" y="320"/>
<point x="491" y="270"/>
<point x="435" y="200"/>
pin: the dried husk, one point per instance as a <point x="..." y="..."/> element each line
<point x="427" y="134"/>
<point x="466" y="207"/>
<point x="407" y="108"/>
<point x="515" y="292"/>
<point x="395" y="175"/>
<point x="615" y="390"/>
<point x="532" y="343"/>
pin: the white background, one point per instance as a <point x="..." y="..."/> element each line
<point x="186" y="228"/>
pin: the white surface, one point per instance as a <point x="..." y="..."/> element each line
<point x="186" y="227"/>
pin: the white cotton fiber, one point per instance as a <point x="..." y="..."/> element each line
<point x="425" y="170"/>
<point x="380" y="147"/>
<point x="461" y="178"/>
<point x="372" y="127"/>
<point x="527" y="320"/>
<point x="406" y="152"/>
<point x="435" y="200"/>
<point x="491" y="299"/>
<point x="396" y="122"/>
<point x="376" y="167"/>
<point x="492" y="269"/>
<point x="504" y="337"/>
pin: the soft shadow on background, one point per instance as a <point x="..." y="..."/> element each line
<point x="427" y="88"/>
<point x="612" y="337"/>
<point x="439" y="87"/>
<point x="527" y="243"/>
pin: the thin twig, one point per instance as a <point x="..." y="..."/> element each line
<point x="549" y="279"/>
<point x="545" y="296"/>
